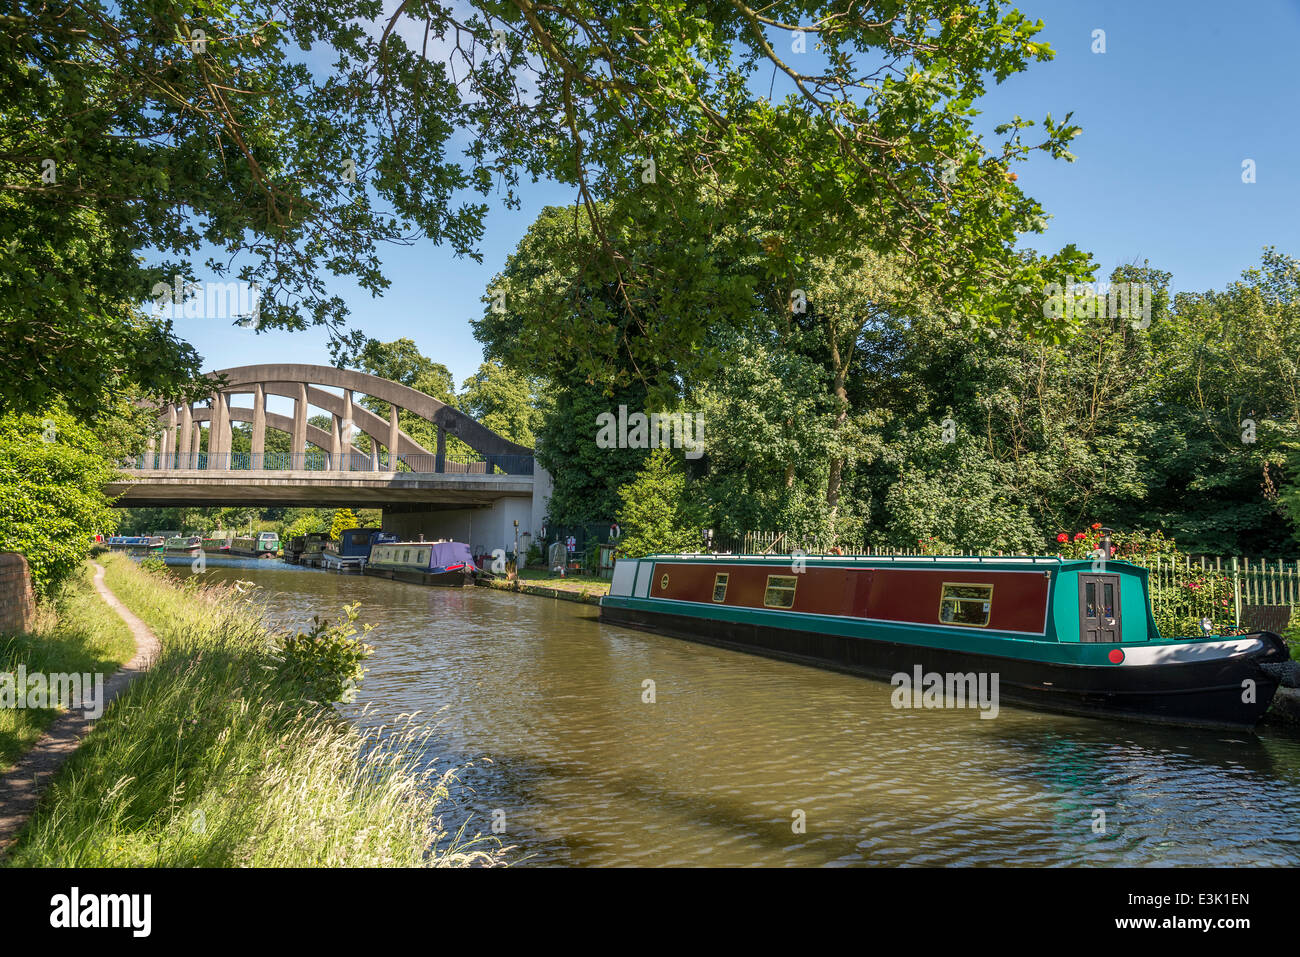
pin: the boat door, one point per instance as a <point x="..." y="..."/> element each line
<point x="1099" y="611"/>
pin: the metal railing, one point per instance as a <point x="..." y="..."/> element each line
<point x="420" y="462"/>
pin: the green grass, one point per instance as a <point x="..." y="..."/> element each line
<point x="77" y="633"/>
<point x="586" y="584"/>
<point x="208" y="760"/>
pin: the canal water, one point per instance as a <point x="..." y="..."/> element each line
<point x="740" y="760"/>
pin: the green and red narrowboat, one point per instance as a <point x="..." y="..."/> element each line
<point x="1058" y="634"/>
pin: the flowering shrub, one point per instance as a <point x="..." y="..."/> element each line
<point x="934" y="546"/>
<point x="1180" y="595"/>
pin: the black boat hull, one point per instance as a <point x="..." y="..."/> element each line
<point x="1211" y="693"/>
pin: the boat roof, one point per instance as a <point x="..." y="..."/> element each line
<point x="1014" y="561"/>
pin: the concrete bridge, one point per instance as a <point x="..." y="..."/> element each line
<point x="473" y="497"/>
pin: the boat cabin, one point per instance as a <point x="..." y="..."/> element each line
<point x="1048" y="599"/>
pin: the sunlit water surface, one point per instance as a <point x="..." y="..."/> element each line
<point x="545" y="706"/>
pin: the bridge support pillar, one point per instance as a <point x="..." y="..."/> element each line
<point x="258" y="446"/>
<point x="184" y="433"/>
<point x="196" y="443"/>
<point x="169" y="439"/>
<point x="394" y="437"/>
<point x="336" y="446"/>
<point x="299" y="450"/>
<point x="440" y="456"/>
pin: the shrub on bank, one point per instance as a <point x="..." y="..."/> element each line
<point x="213" y="758"/>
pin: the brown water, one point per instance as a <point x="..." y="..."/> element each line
<point x="547" y="704"/>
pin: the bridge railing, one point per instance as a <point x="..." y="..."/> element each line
<point x="450" y="464"/>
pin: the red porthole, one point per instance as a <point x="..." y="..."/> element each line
<point x="1116" y="656"/>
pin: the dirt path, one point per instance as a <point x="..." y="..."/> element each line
<point x="21" y="786"/>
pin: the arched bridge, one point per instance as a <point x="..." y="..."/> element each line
<point x="188" y="464"/>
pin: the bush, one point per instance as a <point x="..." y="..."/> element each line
<point x="324" y="662"/>
<point x="52" y="476"/>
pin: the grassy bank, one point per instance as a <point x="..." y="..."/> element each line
<point x="212" y="759"/>
<point x="583" y="584"/>
<point x="76" y="633"/>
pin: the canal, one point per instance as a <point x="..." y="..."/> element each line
<point x="744" y="761"/>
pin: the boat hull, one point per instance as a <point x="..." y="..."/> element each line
<point x="1195" y="691"/>
<point x="445" y="579"/>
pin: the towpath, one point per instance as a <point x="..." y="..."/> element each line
<point x="21" y="787"/>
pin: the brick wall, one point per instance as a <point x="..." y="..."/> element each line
<point x="17" y="608"/>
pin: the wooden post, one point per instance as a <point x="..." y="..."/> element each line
<point x="1236" y="592"/>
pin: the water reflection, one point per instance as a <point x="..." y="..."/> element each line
<point x="548" y="705"/>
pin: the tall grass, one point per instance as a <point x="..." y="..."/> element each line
<point x="74" y="633"/>
<point x="209" y="760"/>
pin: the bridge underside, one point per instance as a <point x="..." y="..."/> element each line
<point x="308" y="489"/>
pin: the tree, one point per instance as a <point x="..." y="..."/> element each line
<point x="52" y="476"/>
<point x="344" y="519"/>
<point x="657" y="513"/>
<point x="504" y="401"/>
<point x="135" y="132"/>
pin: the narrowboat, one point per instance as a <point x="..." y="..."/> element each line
<point x="1051" y="633"/>
<point x="137" y="544"/>
<point x="352" y="550"/>
<point x="183" y="545"/>
<point x="423" y="563"/>
<point x="313" y="549"/>
<point x="264" y="545"/>
<point x="217" y="542"/>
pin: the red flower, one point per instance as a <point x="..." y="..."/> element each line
<point x="1096" y="526"/>
<point x="1079" y="536"/>
<point x="1063" y="537"/>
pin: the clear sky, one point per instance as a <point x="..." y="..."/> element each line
<point x="1185" y="92"/>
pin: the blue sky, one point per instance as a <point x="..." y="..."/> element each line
<point x="1185" y="92"/>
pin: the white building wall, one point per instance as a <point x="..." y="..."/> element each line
<point x="483" y="529"/>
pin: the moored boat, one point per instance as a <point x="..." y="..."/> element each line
<point x="313" y="549"/>
<point x="217" y="542"/>
<point x="263" y="545"/>
<point x="423" y="563"/>
<point x="183" y="545"/>
<point x="352" y="551"/>
<point x="137" y="544"/>
<point x="1058" y="634"/>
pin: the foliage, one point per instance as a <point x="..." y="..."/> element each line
<point x="72" y="635"/>
<point x="266" y="781"/>
<point x="344" y="519"/>
<point x="503" y="401"/>
<point x="324" y="662"/>
<point x="52" y="476"/>
<point x="658" y="513"/>
<point x="153" y="565"/>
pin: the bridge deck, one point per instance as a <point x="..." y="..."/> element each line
<point x="164" y="487"/>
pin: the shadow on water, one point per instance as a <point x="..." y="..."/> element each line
<point x="743" y="760"/>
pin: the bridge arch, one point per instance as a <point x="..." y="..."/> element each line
<point x="179" y="442"/>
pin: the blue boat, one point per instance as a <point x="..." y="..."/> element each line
<point x="352" y="551"/>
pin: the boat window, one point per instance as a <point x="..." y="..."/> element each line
<point x="780" y="591"/>
<point x="406" y="555"/>
<point x="1110" y="599"/>
<point x="1090" y="599"/>
<point x="422" y="557"/>
<point x="720" y="586"/>
<point x="963" y="604"/>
